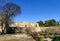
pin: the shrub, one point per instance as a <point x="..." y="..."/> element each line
<point x="56" y="39"/>
<point x="35" y="35"/>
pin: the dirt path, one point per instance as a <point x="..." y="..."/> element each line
<point x="16" y="37"/>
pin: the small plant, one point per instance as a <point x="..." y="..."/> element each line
<point x="40" y="39"/>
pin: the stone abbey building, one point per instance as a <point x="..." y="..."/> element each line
<point x="21" y="26"/>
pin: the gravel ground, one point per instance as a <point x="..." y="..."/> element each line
<point x="16" y="37"/>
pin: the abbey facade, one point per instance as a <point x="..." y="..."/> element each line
<point x="24" y="24"/>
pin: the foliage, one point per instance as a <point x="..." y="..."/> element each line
<point x="40" y="23"/>
<point x="51" y="22"/>
<point x="40" y="39"/>
<point x="57" y="23"/>
<point x="56" y="38"/>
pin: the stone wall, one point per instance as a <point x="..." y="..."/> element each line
<point x="44" y="28"/>
<point x="24" y="24"/>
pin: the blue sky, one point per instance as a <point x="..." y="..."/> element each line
<point x="36" y="10"/>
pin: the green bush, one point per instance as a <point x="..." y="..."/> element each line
<point x="56" y="39"/>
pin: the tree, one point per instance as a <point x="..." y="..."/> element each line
<point x="57" y="23"/>
<point x="8" y="11"/>
<point x="46" y="23"/>
<point x="51" y="22"/>
<point x="40" y="23"/>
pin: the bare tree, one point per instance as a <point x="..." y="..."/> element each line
<point x="8" y="11"/>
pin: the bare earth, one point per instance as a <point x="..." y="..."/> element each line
<point x="16" y="37"/>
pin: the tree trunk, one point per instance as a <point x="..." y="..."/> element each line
<point x="2" y="28"/>
<point x="7" y="26"/>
